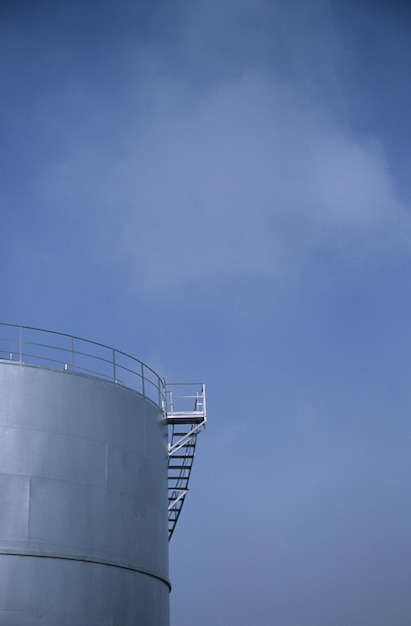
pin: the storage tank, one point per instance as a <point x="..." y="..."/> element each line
<point x="95" y="459"/>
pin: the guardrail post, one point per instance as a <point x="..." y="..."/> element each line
<point x="160" y="399"/>
<point x="72" y="352"/>
<point x="114" y="366"/>
<point x="143" y="387"/>
<point x="20" y="344"/>
<point x="204" y="400"/>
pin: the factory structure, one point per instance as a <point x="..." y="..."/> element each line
<point x="96" y="452"/>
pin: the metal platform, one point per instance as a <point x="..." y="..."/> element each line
<point x="186" y="417"/>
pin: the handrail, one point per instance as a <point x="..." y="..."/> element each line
<point x="29" y="345"/>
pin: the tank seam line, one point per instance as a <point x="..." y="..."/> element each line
<point x="107" y="563"/>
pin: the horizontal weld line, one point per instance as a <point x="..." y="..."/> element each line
<point x="85" y="559"/>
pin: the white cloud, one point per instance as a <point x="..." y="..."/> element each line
<point x="246" y="184"/>
<point x="249" y="176"/>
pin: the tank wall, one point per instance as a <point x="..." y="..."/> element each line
<point x="83" y="486"/>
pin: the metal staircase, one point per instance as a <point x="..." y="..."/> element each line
<point x="186" y="418"/>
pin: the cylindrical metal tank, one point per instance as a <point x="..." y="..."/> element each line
<point x="83" y="493"/>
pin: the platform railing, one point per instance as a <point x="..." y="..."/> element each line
<point x="27" y="345"/>
<point x="186" y="417"/>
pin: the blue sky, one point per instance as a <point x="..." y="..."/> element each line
<point x="221" y="189"/>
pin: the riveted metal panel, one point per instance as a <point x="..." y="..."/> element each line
<point x="14" y="510"/>
<point x="83" y="501"/>
<point x="52" y="455"/>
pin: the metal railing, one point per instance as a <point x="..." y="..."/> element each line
<point x="186" y="418"/>
<point x="186" y="402"/>
<point x="35" y="346"/>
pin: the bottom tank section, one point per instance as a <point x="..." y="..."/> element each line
<point x="40" y="591"/>
<point x="83" y="502"/>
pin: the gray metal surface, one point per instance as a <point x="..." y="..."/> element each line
<point x="83" y="493"/>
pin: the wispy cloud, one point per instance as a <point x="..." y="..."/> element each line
<point x="244" y="174"/>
